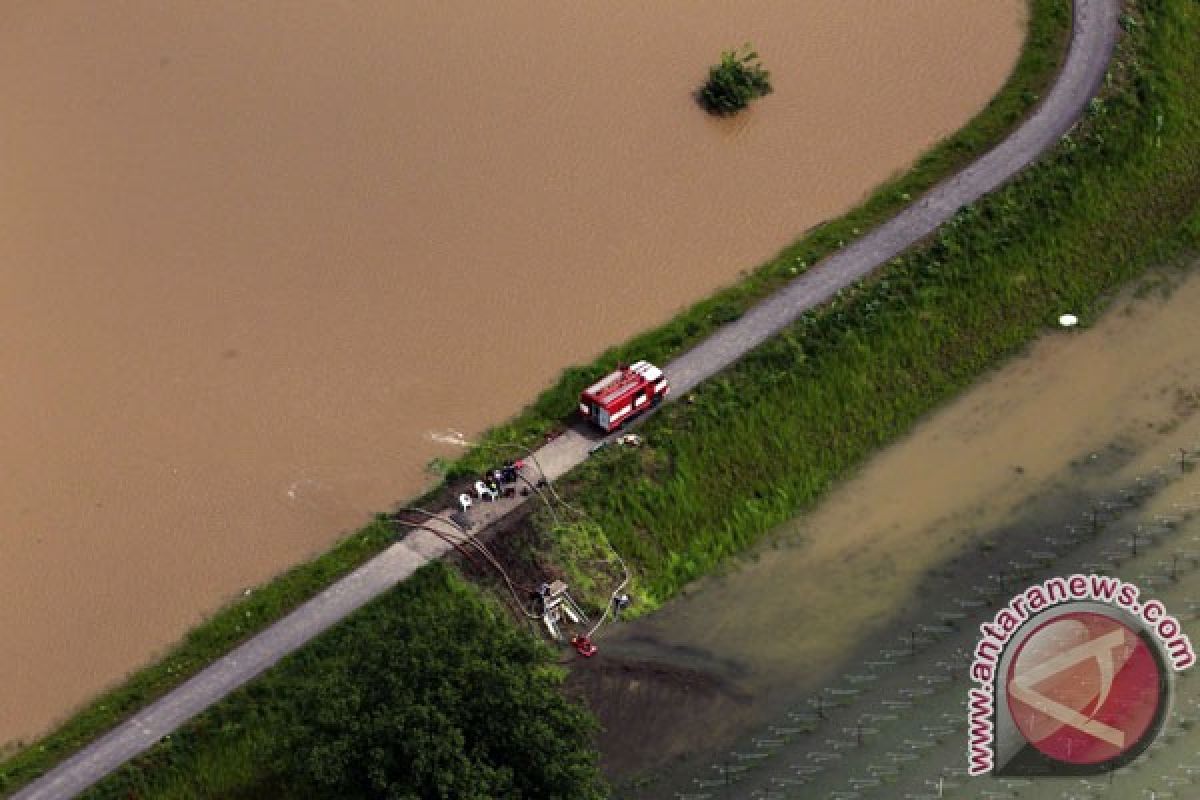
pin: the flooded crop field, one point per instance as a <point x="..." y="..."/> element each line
<point x="929" y="532"/>
<point x="894" y="725"/>
<point x="260" y="262"/>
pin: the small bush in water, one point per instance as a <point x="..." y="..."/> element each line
<point x="733" y="83"/>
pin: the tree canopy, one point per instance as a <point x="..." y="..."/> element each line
<point x="428" y="692"/>
<point x="442" y="698"/>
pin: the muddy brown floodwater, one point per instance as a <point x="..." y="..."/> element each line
<point x="1079" y="413"/>
<point x="259" y="261"/>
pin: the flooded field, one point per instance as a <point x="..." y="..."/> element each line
<point x="260" y="262"/>
<point x="1080" y="416"/>
<point x="894" y="724"/>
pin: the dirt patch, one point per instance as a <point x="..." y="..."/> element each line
<point x="652" y="713"/>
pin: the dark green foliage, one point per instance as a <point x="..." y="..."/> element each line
<point x="429" y="692"/>
<point x="733" y="83"/>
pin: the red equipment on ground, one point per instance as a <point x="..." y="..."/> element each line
<point x="623" y="394"/>
<point x="583" y="645"/>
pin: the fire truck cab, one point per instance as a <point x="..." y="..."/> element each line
<point x="623" y="394"/>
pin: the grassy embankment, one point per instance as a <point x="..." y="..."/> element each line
<point x="1049" y="25"/>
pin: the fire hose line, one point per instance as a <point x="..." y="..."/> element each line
<point x="468" y="539"/>
<point x="448" y="540"/>
<point x="612" y="599"/>
<point x="457" y="545"/>
<point x="582" y="515"/>
<point x="550" y="486"/>
<point x="465" y="539"/>
<point x="516" y="601"/>
<point x="528" y="453"/>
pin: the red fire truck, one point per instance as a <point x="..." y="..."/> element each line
<point x="623" y="394"/>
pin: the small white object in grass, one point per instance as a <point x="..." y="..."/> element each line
<point x="1068" y="320"/>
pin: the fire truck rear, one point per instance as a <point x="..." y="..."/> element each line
<point x="623" y="394"/>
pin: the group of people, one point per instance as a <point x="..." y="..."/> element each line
<point x="494" y="484"/>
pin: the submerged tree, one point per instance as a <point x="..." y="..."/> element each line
<point x="733" y="83"/>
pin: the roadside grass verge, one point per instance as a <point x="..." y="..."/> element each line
<point x="1042" y="53"/>
<point x="766" y="438"/>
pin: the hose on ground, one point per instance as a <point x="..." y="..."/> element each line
<point x="514" y="603"/>
<point x="467" y="538"/>
<point x="579" y="513"/>
<point x="612" y="598"/>
<point x="528" y="453"/>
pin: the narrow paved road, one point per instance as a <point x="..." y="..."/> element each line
<point x="1092" y="41"/>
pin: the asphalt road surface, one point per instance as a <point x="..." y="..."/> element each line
<point x="1092" y="41"/>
